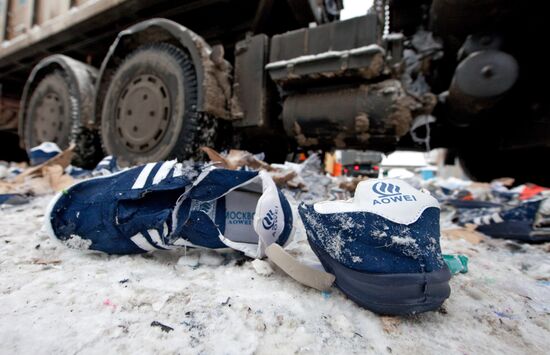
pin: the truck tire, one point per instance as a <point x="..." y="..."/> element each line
<point x="51" y="113"/>
<point x="149" y="112"/>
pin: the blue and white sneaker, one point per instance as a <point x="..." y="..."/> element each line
<point x="43" y="153"/>
<point x="382" y="246"/>
<point x="77" y="173"/>
<point x="167" y="205"/>
<point x="106" y="166"/>
<point x="528" y="222"/>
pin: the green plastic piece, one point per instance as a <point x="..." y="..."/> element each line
<point x="457" y="263"/>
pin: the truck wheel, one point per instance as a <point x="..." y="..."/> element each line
<point x="51" y="114"/>
<point x="149" y="112"/>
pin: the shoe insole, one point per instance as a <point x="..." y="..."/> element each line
<point x="240" y="207"/>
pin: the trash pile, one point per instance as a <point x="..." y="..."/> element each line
<point x="496" y="209"/>
<point x="177" y="296"/>
<point x="238" y="201"/>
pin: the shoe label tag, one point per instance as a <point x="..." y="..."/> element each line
<point x="392" y="199"/>
<point x="269" y="219"/>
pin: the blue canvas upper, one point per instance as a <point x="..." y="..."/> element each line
<point x="366" y="239"/>
<point x="156" y="206"/>
<point x="107" y="211"/>
<point x="43" y="153"/>
<point x="106" y="166"/>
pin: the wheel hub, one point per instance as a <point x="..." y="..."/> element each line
<point x="142" y="113"/>
<point x="50" y="113"/>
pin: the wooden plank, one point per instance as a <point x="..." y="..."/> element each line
<point x="46" y="10"/>
<point x="52" y="27"/>
<point x="19" y="19"/>
<point x="78" y="2"/>
<point x="3" y="17"/>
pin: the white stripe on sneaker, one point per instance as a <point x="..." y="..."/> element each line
<point x="178" y="170"/>
<point x="155" y="236"/>
<point x="497" y="218"/>
<point x="142" y="243"/>
<point x="142" y="178"/>
<point x="486" y="219"/>
<point x="163" y="171"/>
<point x="477" y="220"/>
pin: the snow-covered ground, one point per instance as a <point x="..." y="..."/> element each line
<point x="62" y="301"/>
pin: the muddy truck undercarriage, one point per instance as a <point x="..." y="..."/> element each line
<point x="273" y="75"/>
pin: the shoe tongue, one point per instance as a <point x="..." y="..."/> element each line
<point x="392" y="199"/>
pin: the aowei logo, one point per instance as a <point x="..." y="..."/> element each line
<point x="388" y="193"/>
<point x="269" y="220"/>
<point x="386" y="189"/>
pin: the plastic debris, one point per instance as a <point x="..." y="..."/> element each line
<point x="162" y="327"/>
<point x="107" y="302"/>
<point x="457" y="263"/>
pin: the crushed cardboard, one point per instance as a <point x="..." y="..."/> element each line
<point x="63" y="159"/>
<point x="42" y="178"/>
<point x="236" y="159"/>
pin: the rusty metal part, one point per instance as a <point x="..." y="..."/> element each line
<point x="364" y="62"/>
<point x="486" y="74"/>
<point x="214" y="89"/>
<point x="346" y="48"/>
<point x="336" y="36"/>
<point x="142" y="113"/>
<point x="81" y="76"/>
<point x="249" y="101"/>
<point x="479" y="83"/>
<point x="349" y="117"/>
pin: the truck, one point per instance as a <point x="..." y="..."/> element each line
<point x="153" y="80"/>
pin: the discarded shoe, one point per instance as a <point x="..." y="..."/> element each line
<point x="382" y="246"/>
<point x="106" y="166"/>
<point x="43" y="152"/>
<point x="167" y="205"/>
<point x="76" y="172"/>
<point x="530" y="222"/>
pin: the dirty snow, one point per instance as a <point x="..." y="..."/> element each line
<point x="58" y="300"/>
